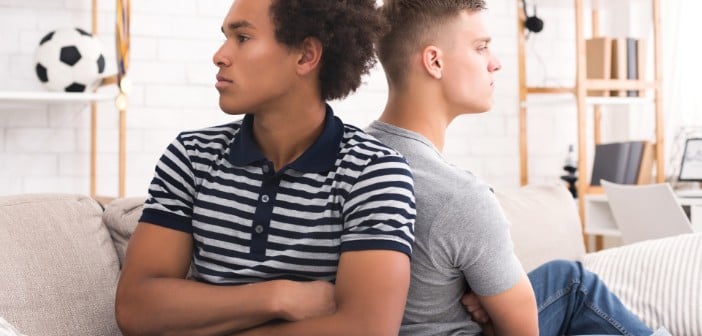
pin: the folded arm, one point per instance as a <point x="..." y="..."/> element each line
<point x="371" y="289"/>
<point x="512" y="312"/>
<point x="153" y="296"/>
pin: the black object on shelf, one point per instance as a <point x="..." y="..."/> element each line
<point x="571" y="167"/>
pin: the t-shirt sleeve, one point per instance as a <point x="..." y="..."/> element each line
<point x="171" y="193"/>
<point x="379" y="211"/>
<point x="478" y="241"/>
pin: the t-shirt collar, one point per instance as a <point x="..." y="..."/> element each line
<point x="319" y="157"/>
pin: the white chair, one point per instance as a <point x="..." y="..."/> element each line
<point x="644" y="212"/>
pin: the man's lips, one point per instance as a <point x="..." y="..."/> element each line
<point x="222" y="82"/>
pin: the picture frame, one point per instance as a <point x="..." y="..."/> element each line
<point x="691" y="163"/>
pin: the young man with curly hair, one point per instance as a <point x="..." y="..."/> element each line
<point x="439" y="66"/>
<point x="290" y="222"/>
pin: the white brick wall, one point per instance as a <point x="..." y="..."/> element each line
<point x="45" y="148"/>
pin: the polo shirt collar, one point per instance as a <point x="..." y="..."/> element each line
<point x="319" y="157"/>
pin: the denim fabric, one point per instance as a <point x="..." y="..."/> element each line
<point x="574" y="301"/>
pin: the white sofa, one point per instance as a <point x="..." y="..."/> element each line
<point x="60" y="257"/>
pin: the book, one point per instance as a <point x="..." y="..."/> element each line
<point x="646" y="166"/>
<point x="641" y="63"/>
<point x="632" y="63"/>
<point x="618" y="162"/>
<point x="636" y="149"/>
<point x="598" y="52"/>
<point x="619" y="63"/>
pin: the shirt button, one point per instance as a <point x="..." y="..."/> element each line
<point x="258" y="228"/>
<point x="266" y="169"/>
<point x="264" y="198"/>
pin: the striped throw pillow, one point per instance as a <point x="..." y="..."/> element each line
<point x="659" y="280"/>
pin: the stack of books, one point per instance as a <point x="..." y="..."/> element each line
<point x="629" y="162"/>
<point x="615" y="58"/>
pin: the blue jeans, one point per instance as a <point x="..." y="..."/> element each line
<point x="574" y="301"/>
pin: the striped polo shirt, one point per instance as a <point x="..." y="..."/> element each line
<point x="249" y="223"/>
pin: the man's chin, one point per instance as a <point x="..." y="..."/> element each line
<point x="231" y="110"/>
<point x="477" y="109"/>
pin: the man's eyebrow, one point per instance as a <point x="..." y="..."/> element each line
<point x="238" y="24"/>
<point x="486" y="39"/>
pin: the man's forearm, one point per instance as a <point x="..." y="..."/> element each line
<point x="338" y="324"/>
<point x="371" y="290"/>
<point x="177" y="306"/>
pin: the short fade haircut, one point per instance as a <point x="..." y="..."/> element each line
<point x="347" y="30"/>
<point x="411" y="26"/>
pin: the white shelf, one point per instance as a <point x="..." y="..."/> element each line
<point x="536" y="99"/>
<point x="46" y="96"/>
<point x="603" y="232"/>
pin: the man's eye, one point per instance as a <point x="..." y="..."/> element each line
<point x="242" y="38"/>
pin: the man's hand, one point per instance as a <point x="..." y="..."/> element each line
<point x="472" y="303"/>
<point x="307" y="300"/>
<point x="512" y="312"/>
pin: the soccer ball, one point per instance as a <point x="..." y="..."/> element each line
<point x="70" y="60"/>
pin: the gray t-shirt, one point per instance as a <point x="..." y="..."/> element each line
<point x="461" y="238"/>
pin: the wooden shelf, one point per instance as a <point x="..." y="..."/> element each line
<point x="119" y="99"/>
<point x="603" y="232"/>
<point x="618" y="84"/>
<point x="569" y="98"/>
<point x="577" y="96"/>
<point x="53" y="97"/>
<point x="544" y="90"/>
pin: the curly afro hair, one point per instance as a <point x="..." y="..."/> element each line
<point x="347" y="30"/>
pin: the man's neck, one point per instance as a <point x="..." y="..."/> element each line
<point x="283" y="134"/>
<point x="417" y="111"/>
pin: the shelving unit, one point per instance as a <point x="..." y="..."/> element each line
<point x="53" y="97"/>
<point x="120" y="99"/>
<point x="578" y="96"/>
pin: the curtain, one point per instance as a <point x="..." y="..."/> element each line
<point x="682" y="74"/>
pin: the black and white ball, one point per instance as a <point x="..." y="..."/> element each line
<point x="70" y="60"/>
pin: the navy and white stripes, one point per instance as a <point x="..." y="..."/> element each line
<point x="347" y="192"/>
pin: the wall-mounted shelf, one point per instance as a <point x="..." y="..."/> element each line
<point x="54" y="97"/>
<point x="119" y="97"/>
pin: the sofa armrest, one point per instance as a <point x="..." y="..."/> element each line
<point x="58" y="266"/>
<point x="121" y="217"/>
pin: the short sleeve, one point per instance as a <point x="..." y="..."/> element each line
<point x="477" y="240"/>
<point x="379" y="212"/>
<point x="172" y="190"/>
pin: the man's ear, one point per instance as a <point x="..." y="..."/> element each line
<point x="433" y="62"/>
<point x="310" y="55"/>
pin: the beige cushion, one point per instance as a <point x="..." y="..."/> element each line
<point x="121" y="217"/>
<point x="659" y="280"/>
<point x="545" y="224"/>
<point x="58" y="266"/>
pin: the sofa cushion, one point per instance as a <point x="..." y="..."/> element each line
<point x="58" y="266"/>
<point x="545" y="223"/>
<point x="121" y="217"/>
<point x="659" y="280"/>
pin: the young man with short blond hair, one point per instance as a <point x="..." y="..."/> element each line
<point x="439" y="66"/>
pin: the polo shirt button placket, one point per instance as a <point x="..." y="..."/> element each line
<point x="259" y="229"/>
<point x="265" y="198"/>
